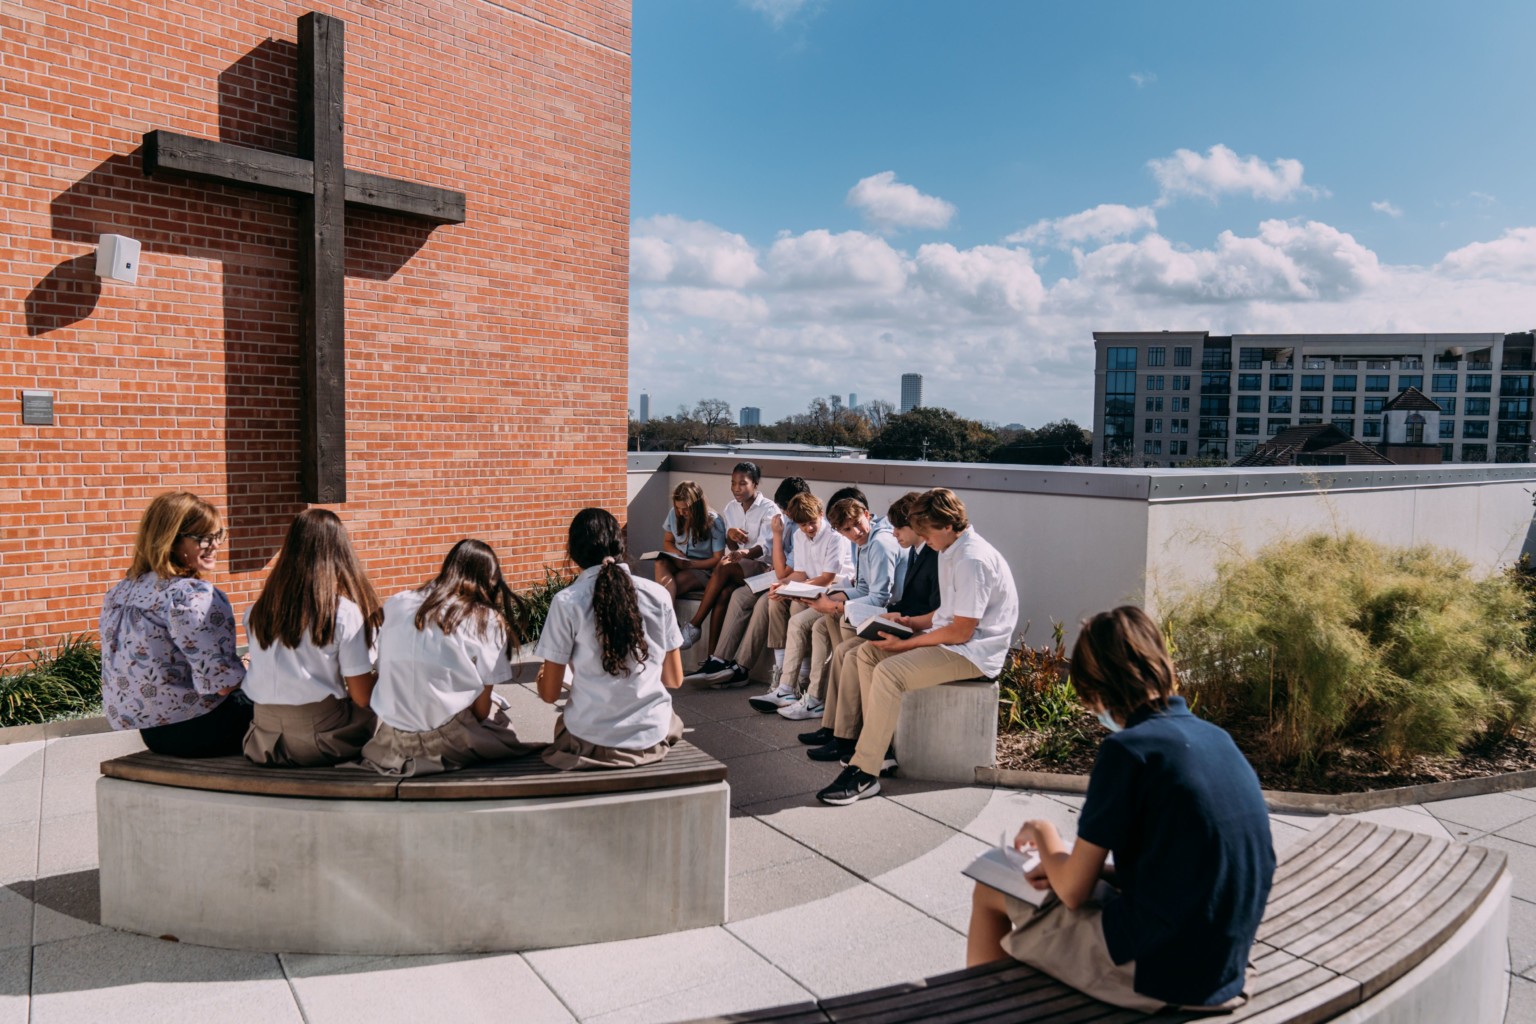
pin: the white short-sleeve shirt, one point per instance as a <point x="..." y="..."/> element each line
<point x="307" y="674"/>
<point x="630" y="711"/>
<point x="976" y="583"/>
<point x="425" y="677"/>
<point x="756" y="522"/>
<point x="828" y="551"/>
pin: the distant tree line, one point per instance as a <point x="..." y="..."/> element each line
<point x="930" y="433"/>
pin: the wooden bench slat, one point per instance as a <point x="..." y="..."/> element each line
<point x="1374" y="846"/>
<point x="797" y="1013"/>
<point x="1344" y="885"/>
<point x="1334" y="839"/>
<point x="1390" y="962"/>
<point x="525" y="777"/>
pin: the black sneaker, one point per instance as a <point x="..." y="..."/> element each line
<point x="888" y="766"/>
<point x="834" y="750"/>
<point x="708" y="668"/>
<point x="817" y="738"/>
<point x="851" y="786"/>
<point x="732" y="676"/>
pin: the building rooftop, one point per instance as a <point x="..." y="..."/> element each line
<point x="1412" y="399"/>
<point x="1321" y="445"/>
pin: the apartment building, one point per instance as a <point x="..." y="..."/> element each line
<point x="1165" y="398"/>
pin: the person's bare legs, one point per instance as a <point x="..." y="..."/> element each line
<point x="684" y="582"/>
<point x="990" y="925"/>
<point x="723" y="576"/>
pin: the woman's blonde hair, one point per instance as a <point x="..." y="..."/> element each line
<point x="169" y="518"/>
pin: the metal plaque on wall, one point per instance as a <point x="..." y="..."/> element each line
<point x="37" y="408"/>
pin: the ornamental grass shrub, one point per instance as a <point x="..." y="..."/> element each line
<point x="1333" y="640"/>
<point x="52" y="684"/>
<point x="1038" y="701"/>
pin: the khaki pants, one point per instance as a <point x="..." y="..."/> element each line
<point x="885" y="678"/>
<point x="752" y="622"/>
<point x="844" y="711"/>
<point x="799" y="645"/>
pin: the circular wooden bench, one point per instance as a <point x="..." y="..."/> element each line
<point x="502" y="857"/>
<point x="1364" y="923"/>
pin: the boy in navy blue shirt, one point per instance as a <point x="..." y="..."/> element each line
<point x="1181" y="810"/>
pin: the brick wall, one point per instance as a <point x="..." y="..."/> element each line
<point x="486" y="361"/>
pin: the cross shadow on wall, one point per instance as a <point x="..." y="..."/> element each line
<point x="253" y="235"/>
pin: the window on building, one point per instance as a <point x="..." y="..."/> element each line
<point x="1344" y="381"/>
<point x="1480" y="382"/>
<point x="1213" y="426"/>
<point x="1120" y="402"/>
<point x="1370" y="428"/>
<point x="1247" y="403"/>
<point x="1274" y="427"/>
<point x="1447" y="452"/>
<point x="1216" y="357"/>
<point x="1378" y="382"/>
<point x="1154" y="382"/>
<point x="1181" y="382"/>
<point x="1279" y="382"/>
<point x="1241" y="448"/>
<point x="1346" y="425"/>
<point x="1250" y="358"/>
<point x="1515" y="385"/>
<point x="1410" y="380"/>
<point x="1442" y="382"/>
<point x="1447" y="428"/>
<point x="1514" y="408"/>
<point x="1154" y="404"/>
<point x="1280" y="403"/>
<point x="1179" y="426"/>
<point x="1308" y="421"/>
<point x="1478" y="406"/>
<point x="1312" y="382"/>
<point x="1415" y="432"/>
<point x="1311" y="405"/>
<point x="1247" y="425"/>
<point x="1152" y="447"/>
<point x="1374" y="405"/>
<point x="1157" y="355"/>
<point x="1213" y="450"/>
<point x="1448" y="405"/>
<point x="1153" y="426"/>
<point x="1215" y="383"/>
<point x="1181" y="404"/>
<point x="1474" y="428"/>
<point x="1514" y="431"/>
<point x="1474" y="453"/>
<point x="1183" y="356"/>
<point x="1178" y="447"/>
<point x="1120" y="359"/>
<point x="1215" y="405"/>
<point x="1250" y="382"/>
<point x="1343" y="406"/>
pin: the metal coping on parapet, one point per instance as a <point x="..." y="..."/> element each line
<point x="1157" y="485"/>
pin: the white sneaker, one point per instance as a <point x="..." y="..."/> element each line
<point x="778" y="697"/>
<point x="690" y="635"/>
<point x="807" y="707"/>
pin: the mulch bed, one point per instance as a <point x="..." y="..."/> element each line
<point x="1345" y="771"/>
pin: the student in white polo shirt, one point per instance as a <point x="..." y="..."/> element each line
<point x="748" y="540"/>
<point x="619" y="638"/>
<point x="311" y="659"/>
<point x="966" y="637"/>
<point x="441" y="649"/>
<point x="822" y="556"/>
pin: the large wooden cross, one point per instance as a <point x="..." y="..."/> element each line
<point x="318" y="177"/>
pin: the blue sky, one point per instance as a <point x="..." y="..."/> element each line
<point x="827" y="194"/>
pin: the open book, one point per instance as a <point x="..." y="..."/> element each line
<point x="869" y="621"/>
<point x="807" y="591"/>
<point x="882" y="628"/>
<point x="651" y="556"/>
<point x="762" y="581"/>
<point x="1003" y="868"/>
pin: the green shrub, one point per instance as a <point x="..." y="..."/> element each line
<point x="1036" y="698"/>
<point x="64" y="682"/>
<point x="1333" y="639"/>
<point x="532" y="605"/>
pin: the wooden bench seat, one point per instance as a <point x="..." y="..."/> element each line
<point x="524" y="777"/>
<point x="1355" y="907"/>
<point x="501" y="857"/>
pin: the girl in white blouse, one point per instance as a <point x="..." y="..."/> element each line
<point x="441" y="649"/>
<point x="619" y="637"/>
<point x="311" y="632"/>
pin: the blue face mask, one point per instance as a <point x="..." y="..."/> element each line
<point x="1108" y="722"/>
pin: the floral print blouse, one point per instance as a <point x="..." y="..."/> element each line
<point x="167" y="648"/>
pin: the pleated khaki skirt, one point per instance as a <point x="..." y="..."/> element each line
<point x="326" y="732"/>
<point x="461" y="741"/>
<point x="571" y="754"/>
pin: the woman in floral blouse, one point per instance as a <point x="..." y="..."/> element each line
<point x="168" y="662"/>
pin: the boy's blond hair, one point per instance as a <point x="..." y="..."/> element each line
<point x="939" y="507"/>
<point x="803" y="509"/>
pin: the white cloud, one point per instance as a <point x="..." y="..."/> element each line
<point x="777" y="11"/>
<point x="723" y="304"/>
<point x="1143" y="78"/>
<point x="820" y="260"/>
<point x="1512" y="257"/>
<point x="670" y="250"/>
<point x="1386" y="207"/>
<point x="986" y="279"/>
<point x="889" y="204"/>
<point x="1100" y="224"/>
<point x="1222" y="172"/>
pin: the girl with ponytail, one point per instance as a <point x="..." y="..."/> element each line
<point x="618" y="636"/>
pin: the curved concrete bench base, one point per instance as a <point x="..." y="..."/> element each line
<point x="284" y="874"/>
<point x="946" y="731"/>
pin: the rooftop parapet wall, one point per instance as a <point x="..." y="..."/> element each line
<point x="1082" y="540"/>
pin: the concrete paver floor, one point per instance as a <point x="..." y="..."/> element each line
<point x="822" y="901"/>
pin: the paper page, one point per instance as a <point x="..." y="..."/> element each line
<point x="762" y="581"/>
<point x="799" y="589"/>
<point x="860" y="612"/>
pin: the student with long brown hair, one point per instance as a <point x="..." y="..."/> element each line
<point x="311" y="659"/>
<point x="1174" y="800"/>
<point x="168" y="661"/>
<point x="442" y="647"/>
<point x="619" y="638"/>
<point x="692" y="541"/>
